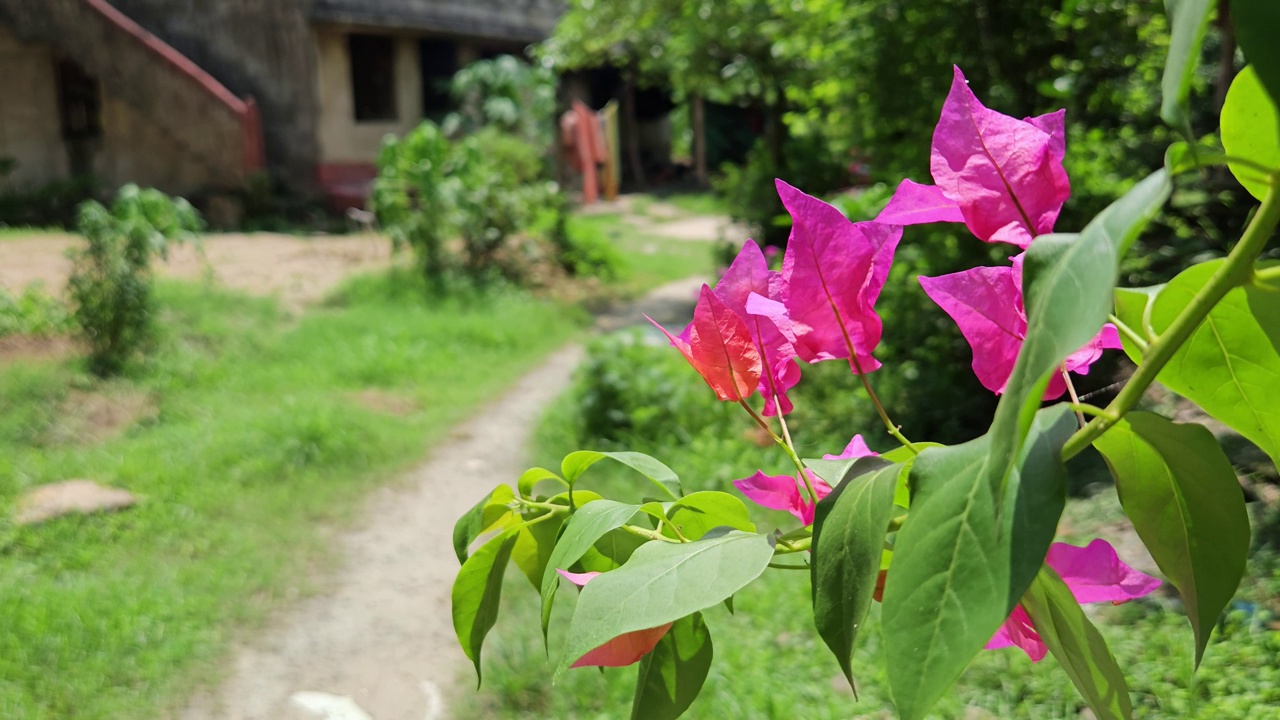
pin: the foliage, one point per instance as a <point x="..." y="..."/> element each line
<point x="53" y="204"/>
<point x="110" y="283"/>
<point x="955" y="541"/>
<point x="504" y="93"/>
<point x="33" y="312"/>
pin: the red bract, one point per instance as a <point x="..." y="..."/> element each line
<point x="720" y="347"/>
<point x="751" y="289"/>
<point x="832" y="274"/>
<point x="1000" y="176"/>
<point x="626" y="649"/>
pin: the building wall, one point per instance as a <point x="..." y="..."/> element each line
<point x="342" y="138"/>
<point x="30" y="132"/>
<point x="136" y="149"/>
<point x="258" y="48"/>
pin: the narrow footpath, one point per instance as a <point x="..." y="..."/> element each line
<point x="378" y="642"/>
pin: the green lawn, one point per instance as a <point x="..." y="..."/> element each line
<point x="648" y="259"/>
<point x="256" y="444"/>
<point x="769" y="662"/>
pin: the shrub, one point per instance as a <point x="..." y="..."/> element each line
<point x="33" y="312"/>
<point x="411" y="196"/>
<point x="507" y="94"/>
<point x="110" y="282"/>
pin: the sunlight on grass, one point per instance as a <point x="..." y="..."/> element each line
<point x="256" y="444"/>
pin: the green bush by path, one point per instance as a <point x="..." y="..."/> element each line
<point x="256" y="443"/>
<point x="776" y="667"/>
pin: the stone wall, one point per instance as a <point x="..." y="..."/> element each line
<point x="154" y="103"/>
<point x="258" y="48"/>
<point x="29" y="129"/>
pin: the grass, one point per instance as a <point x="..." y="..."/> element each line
<point x="699" y="203"/>
<point x="769" y="662"/>
<point x="256" y="446"/>
<point x="649" y="260"/>
<point x="29" y="233"/>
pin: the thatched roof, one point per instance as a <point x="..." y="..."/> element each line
<point x="510" y="20"/>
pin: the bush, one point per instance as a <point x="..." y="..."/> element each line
<point x="33" y="312"/>
<point x="110" y="282"/>
<point x="507" y="94"/>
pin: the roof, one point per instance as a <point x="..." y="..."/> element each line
<point x="512" y="20"/>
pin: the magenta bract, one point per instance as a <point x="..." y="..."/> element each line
<point x="1093" y="573"/>
<point x="832" y="274"/>
<point x="783" y="492"/>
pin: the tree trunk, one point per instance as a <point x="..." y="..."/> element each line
<point x="699" y="140"/>
<point x="1226" y="55"/>
<point x="632" y="130"/>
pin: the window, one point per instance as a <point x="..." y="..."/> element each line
<point x="373" y="77"/>
<point x="439" y="60"/>
<point x="79" y="102"/>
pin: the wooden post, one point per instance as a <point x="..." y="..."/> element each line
<point x="699" y="140"/>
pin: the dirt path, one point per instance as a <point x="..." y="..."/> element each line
<point x="380" y="644"/>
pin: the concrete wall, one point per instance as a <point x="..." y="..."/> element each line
<point x="136" y="149"/>
<point x="258" y="48"/>
<point x="29" y="128"/>
<point x="342" y="138"/>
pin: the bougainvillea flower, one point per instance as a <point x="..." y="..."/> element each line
<point x="626" y="649"/>
<point x="784" y="492"/>
<point x="750" y="277"/>
<point x="1093" y="573"/>
<point x="719" y="346"/>
<point x="1001" y="176"/>
<point x="856" y="448"/>
<point x="986" y="303"/>
<point x="832" y="274"/>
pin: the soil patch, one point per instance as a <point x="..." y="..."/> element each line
<point x="385" y="401"/>
<point x="300" y="270"/>
<point x="69" y="497"/>
<point x="31" y="348"/>
<point x="92" y="417"/>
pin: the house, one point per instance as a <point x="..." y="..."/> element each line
<point x="198" y="96"/>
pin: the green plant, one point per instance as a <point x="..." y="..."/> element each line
<point x="33" y="312"/>
<point x="504" y="93"/>
<point x="411" y="197"/>
<point x="110" y="283"/>
<point x="955" y="542"/>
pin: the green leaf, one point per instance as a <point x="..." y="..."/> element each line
<point x="535" y="542"/>
<point x="1069" y="282"/>
<point x="661" y="583"/>
<point x="1255" y="23"/>
<point x="1187" y="506"/>
<point x="1133" y="307"/>
<point x="834" y="471"/>
<point x="699" y="512"/>
<point x="1251" y="130"/>
<point x="477" y="592"/>
<point x="1229" y="366"/>
<point x="1078" y="646"/>
<point x="849" y="527"/>
<point x="672" y="674"/>
<point x="576" y="463"/>
<point x="531" y="477"/>
<point x="1188" y="21"/>
<point x="958" y="571"/>
<point x="482" y="516"/>
<point x="582" y="530"/>
<point x="1265" y="306"/>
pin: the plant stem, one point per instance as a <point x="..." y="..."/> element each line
<point x="1128" y="332"/>
<point x="781" y="566"/>
<point x="785" y="444"/>
<point x="551" y="508"/>
<point x="648" y="534"/>
<point x="1236" y="271"/>
<point x="1090" y="410"/>
<point x="856" y="367"/>
<point x="794" y="547"/>
<point x="1071" y="390"/>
